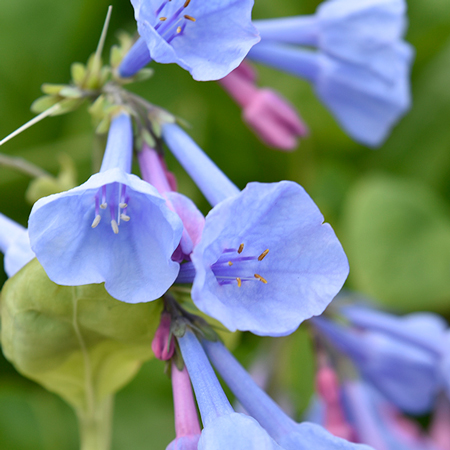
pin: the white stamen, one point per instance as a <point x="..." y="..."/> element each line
<point x="123" y="205"/>
<point x="104" y="205"/>
<point x="96" y="221"/>
<point x="114" y="226"/>
<point x="124" y="217"/>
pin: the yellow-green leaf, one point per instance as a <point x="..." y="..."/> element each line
<point x="78" y="342"/>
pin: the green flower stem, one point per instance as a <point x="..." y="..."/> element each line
<point x="95" y="426"/>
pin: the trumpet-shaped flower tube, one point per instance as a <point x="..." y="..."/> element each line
<point x="187" y="427"/>
<point x="406" y="373"/>
<point x="362" y="32"/>
<point x="425" y="330"/>
<point x="154" y="172"/>
<point x="15" y="245"/>
<point x="223" y="428"/>
<point x="378" y="422"/>
<point x="287" y="433"/>
<point x="114" y="228"/>
<point x="361" y="67"/>
<point x="366" y="105"/>
<point x="265" y="261"/>
<point x="209" y="39"/>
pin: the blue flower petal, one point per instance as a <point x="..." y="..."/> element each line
<point x="425" y="330"/>
<point x="19" y="254"/>
<point x="408" y="375"/>
<point x="309" y="436"/>
<point x="15" y="244"/>
<point x="361" y="67"/>
<point x="304" y="269"/>
<point x="376" y="421"/>
<point x="189" y="442"/>
<point x="238" y="432"/>
<point x="219" y="24"/>
<point x="135" y="264"/>
<point x="366" y="104"/>
<point x="288" y="434"/>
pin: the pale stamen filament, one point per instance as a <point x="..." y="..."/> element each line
<point x="103" y="204"/>
<point x="228" y="276"/>
<point x="97" y="217"/>
<point x="165" y="25"/>
<point x="117" y="213"/>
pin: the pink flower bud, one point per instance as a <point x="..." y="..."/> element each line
<point x="274" y="120"/>
<point x="335" y="422"/>
<point x="162" y="345"/>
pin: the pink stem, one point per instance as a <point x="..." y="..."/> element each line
<point x="239" y="87"/>
<point x="186" y="418"/>
<point x="152" y="169"/>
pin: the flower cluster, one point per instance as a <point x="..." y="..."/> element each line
<point x="265" y="426"/>
<point x="262" y="259"/>
<point x="375" y="368"/>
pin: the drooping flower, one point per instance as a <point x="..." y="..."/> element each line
<point x="396" y="356"/>
<point x="287" y="433"/>
<point x="114" y="228"/>
<point x="209" y="39"/>
<point x="378" y="423"/>
<point x="361" y="67"/>
<point x="15" y="245"/>
<point x="223" y="428"/>
<point x="265" y="261"/>
<point x="274" y="120"/>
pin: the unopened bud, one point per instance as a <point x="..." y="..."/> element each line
<point x="163" y="344"/>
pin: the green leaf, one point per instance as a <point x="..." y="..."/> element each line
<point x="78" y="342"/>
<point x="396" y="234"/>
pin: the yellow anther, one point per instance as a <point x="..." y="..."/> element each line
<point x="179" y="30"/>
<point x="124" y="217"/>
<point x="260" y="278"/>
<point x="186" y="3"/>
<point x="104" y="205"/>
<point x="263" y="255"/>
<point x="241" y="247"/>
<point x="123" y="205"/>
<point x="163" y="19"/>
<point x="192" y="19"/>
<point x="239" y="282"/>
<point x="230" y="263"/>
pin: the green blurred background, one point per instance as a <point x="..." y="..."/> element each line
<point x="389" y="207"/>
